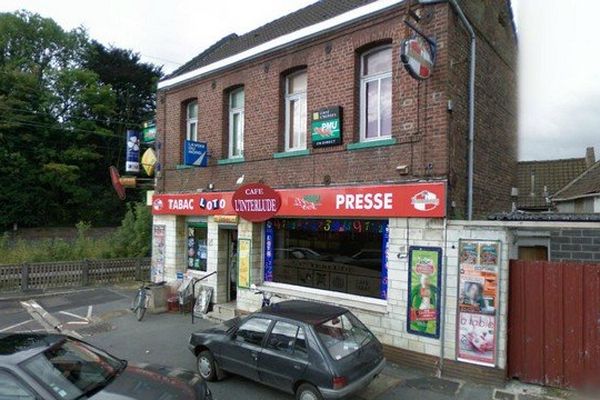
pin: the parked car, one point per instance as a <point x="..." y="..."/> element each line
<point x="314" y="350"/>
<point x="48" y="366"/>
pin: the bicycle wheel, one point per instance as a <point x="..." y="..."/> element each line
<point x="139" y="312"/>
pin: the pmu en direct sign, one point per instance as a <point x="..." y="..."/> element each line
<point x="195" y="153"/>
<point x="326" y="127"/>
<point x="132" y="152"/>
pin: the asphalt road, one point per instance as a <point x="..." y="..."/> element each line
<point x="103" y="318"/>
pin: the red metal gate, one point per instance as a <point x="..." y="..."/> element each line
<point x="554" y="323"/>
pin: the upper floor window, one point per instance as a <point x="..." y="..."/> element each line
<point x="295" y="111"/>
<point x="376" y="94"/>
<point x="236" y="123"/>
<point x="191" y="121"/>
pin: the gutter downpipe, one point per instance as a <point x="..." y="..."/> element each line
<point x="471" y="136"/>
<point x="471" y="140"/>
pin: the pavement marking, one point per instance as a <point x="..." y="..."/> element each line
<point x="74" y="316"/>
<point x="48" y="322"/>
<point x="89" y="312"/>
<point x="15" y="325"/>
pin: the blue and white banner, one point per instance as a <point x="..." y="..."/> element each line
<point x="195" y="153"/>
<point x="132" y="152"/>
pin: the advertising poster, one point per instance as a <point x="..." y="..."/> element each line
<point x="326" y="127"/>
<point x="158" y="253"/>
<point x="244" y="263"/>
<point x="424" y="280"/>
<point x="478" y="301"/>
<point x="132" y="152"/>
<point x="477" y="338"/>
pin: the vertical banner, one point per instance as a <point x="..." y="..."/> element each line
<point x="132" y="152"/>
<point x="158" y="253"/>
<point x="424" y="288"/>
<point x="244" y="263"/>
<point x="479" y="266"/>
<point x="269" y="238"/>
<point x="385" y="246"/>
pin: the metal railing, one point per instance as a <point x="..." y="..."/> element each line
<point x="28" y="277"/>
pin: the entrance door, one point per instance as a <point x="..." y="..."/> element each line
<point x="232" y="261"/>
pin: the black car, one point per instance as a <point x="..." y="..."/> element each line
<point x="313" y="350"/>
<point x="47" y="366"/>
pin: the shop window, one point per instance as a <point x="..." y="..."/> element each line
<point x="191" y="121"/>
<point x="197" y="246"/>
<point x="338" y="255"/>
<point x="376" y="94"/>
<point x="236" y="123"/>
<point x="295" y="111"/>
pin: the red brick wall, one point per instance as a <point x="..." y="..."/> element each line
<point x="420" y="121"/>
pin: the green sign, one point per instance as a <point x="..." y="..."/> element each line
<point x="326" y="127"/>
<point x="149" y="132"/>
<point x="424" y="280"/>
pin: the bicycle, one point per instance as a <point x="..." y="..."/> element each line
<point x="142" y="299"/>
<point x="266" y="296"/>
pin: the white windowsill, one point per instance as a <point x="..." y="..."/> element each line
<point x="343" y="299"/>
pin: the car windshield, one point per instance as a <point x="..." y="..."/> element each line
<point x="343" y="335"/>
<point x="73" y="369"/>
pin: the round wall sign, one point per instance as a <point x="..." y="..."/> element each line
<point x="417" y="57"/>
<point x="256" y="202"/>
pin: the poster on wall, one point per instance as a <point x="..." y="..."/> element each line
<point x="158" y="253"/>
<point x="244" y="263"/>
<point x="326" y="127"/>
<point x="424" y="283"/>
<point x="479" y="266"/>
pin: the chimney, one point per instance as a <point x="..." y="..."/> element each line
<point x="590" y="157"/>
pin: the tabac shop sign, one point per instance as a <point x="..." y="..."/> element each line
<point x="326" y="127"/>
<point x="417" y="57"/>
<point x="256" y="202"/>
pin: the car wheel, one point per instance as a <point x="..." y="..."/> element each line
<point x="307" y="391"/>
<point x="206" y="366"/>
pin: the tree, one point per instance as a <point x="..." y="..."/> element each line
<point x="65" y="103"/>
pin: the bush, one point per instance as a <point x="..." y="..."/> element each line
<point x="132" y="239"/>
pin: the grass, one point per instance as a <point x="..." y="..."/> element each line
<point x="132" y="239"/>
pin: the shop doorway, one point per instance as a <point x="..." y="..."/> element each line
<point x="231" y="262"/>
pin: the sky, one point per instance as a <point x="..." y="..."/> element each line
<point x="559" y="78"/>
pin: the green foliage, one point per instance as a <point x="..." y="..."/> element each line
<point x="132" y="239"/>
<point x="65" y="103"/>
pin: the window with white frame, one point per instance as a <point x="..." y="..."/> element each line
<point x="191" y="121"/>
<point x="376" y="94"/>
<point x="295" y="111"/>
<point x="236" y="123"/>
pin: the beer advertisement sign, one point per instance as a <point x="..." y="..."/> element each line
<point x="424" y="284"/>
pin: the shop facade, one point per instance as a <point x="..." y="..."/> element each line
<point x="424" y="284"/>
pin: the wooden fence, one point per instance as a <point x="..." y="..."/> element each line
<point x="64" y="274"/>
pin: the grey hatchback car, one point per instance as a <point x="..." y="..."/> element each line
<point x="313" y="350"/>
<point x="48" y="366"/>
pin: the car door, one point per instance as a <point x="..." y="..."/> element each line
<point x="12" y="388"/>
<point x="284" y="357"/>
<point x="240" y="354"/>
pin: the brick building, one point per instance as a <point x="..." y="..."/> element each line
<point x="368" y="162"/>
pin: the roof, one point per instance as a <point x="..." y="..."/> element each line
<point x="20" y="346"/>
<point x="549" y="216"/>
<point x="289" y="30"/>
<point x="305" y="311"/>
<point x="588" y="183"/>
<point x="552" y="175"/>
<point x="234" y="44"/>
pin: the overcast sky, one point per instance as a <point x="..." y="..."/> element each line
<point x="559" y="73"/>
